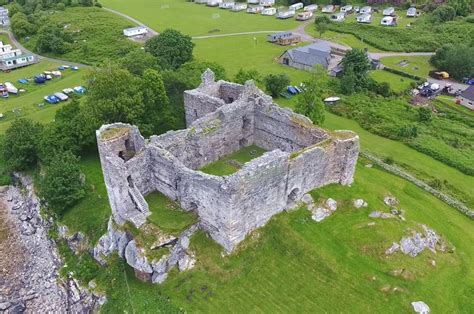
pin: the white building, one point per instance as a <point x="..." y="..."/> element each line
<point x="4" y="19"/>
<point x="267" y="3"/>
<point x="366" y="10"/>
<point x="390" y="11"/>
<point x="364" y="18"/>
<point x="311" y="8"/>
<point x="13" y="58"/>
<point x="296" y="6"/>
<point x="388" y="21"/>
<point x="338" y="17"/>
<point x="269" y="11"/>
<point x="346" y="9"/>
<point x="135" y="31"/>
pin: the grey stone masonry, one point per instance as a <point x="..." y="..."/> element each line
<point x="223" y="117"/>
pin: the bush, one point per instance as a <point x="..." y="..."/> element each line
<point x="245" y="75"/>
<point x="98" y="4"/>
<point x="424" y="114"/>
<point x="171" y="48"/>
<point x="389" y="160"/>
<point x="401" y="73"/>
<point x="276" y="83"/>
<point x="443" y="13"/>
<point x="457" y="60"/>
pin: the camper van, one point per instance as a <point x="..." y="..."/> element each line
<point x="296" y="6"/>
<point x="255" y="10"/>
<point x="328" y="9"/>
<point x="390" y="11"/>
<point x="388" y="21"/>
<point x="269" y="11"/>
<point x="253" y="1"/>
<point x="226" y="5"/>
<point x="311" y="8"/>
<point x="285" y="14"/>
<point x="338" y="17"/>
<point x="366" y="10"/>
<point x="304" y="16"/>
<point x="346" y="9"/>
<point x="364" y="18"/>
<point x="239" y="7"/>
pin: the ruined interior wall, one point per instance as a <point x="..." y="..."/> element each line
<point x="197" y="105"/>
<point x="281" y="128"/>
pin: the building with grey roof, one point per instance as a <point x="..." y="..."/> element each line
<point x="306" y="57"/>
<point x="466" y="98"/>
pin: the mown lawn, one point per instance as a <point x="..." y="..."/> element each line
<point x="297" y="265"/>
<point x="195" y="19"/>
<point x="233" y="162"/>
<point x="167" y="215"/>
<point x="341" y="38"/>
<point x="26" y="104"/>
<point x="417" y="65"/>
<point x="398" y="83"/>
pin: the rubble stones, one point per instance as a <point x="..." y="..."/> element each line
<point x="390" y="201"/>
<point x="331" y="204"/>
<point x="379" y="214"/>
<point x="420" y="307"/>
<point x="418" y="242"/>
<point x="394" y="248"/>
<point x="307" y="199"/>
<point x="186" y="262"/>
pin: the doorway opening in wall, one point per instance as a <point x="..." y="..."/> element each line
<point x="293" y="196"/>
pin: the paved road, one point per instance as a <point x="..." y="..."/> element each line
<point x="18" y="45"/>
<point x="233" y="34"/>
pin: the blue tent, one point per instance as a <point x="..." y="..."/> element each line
<point x="22" y="81"/>
<point x="52" y="99"/>
<point x="292" y="90"/>
<point x="40" y="79"/>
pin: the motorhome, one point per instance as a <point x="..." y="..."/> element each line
<point x="267" y="3"/>
<point x="390" y="11"/>
<point x="346" y="9"/>
<point x="255" y="9"/>
<point x="366" y="10"/>
<point x="338" y="17"/>
<point x="226" y="5"/>
<point x="285" y="14"/>
<point x="239" y="7"/>
<point x="388" y="21"/>
<point x="364" y="18"/>
<point x="328" y="9"/>
<point x="304" y="16"/>
<point x="311" y="8"/>
<point x="296" y="6"/>
<point x="269" y="11"/>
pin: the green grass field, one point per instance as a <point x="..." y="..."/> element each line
<point x="397" y="83"/>
<point x="26" y="104"/>
<point x="167" y="215"/>
<point x="296" y="265"/>
<point x="417" y="65"/>
<point x="233" y="162"/>
<point x="194" y="19"/>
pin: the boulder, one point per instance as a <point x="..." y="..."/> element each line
<point x="159" y="277"/>
<point x="394" y="248"/>
<point x="420" y="307"/>
<point x="186" y="262"/>
<point x="390" y="201"/>
<point x="358" y="203"/>
<point x="135" y="258"/>
<point x="320" y="214"/>
<point x="331" y="204"/>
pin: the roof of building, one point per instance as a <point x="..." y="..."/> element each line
<point x="468" y="93"/>
<point x="136" y="28"/>
<point x="317" y="53"/>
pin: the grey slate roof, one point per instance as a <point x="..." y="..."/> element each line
<point x="468" y="93"/>
<point x="317" y="53"/>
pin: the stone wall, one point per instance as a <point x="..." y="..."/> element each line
<point x="223" y="118"/>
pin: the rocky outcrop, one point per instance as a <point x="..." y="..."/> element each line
<point x="320" y="212"/>
<point x="156" y="271"/>
<point x="417" y="242"/>
<point x="29" y="279"/>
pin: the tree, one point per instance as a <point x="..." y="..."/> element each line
<point x="62" y="186"/>
<point x="348" y="82"/>
<point x="358" y="61"/>
<point x="20" y="25"/>
<point x="51" y="38"/>
<point x="276" y="83"/>
<point x="245" y="75"/>
<point x="462" y="7"/>
<point x="171" y="48"/>
<point x="21" y="144"/>
<point x="455" y="59"/>
<point x="137" y="61"/>
<point x="309" y="102"/>
<point x="443" y="13"/>
<point x="322" y="24"/>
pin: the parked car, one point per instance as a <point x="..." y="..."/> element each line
<point x="51" y="99"/>
<point x="61" y="96"/>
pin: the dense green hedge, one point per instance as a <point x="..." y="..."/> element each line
<point x="401" y="73"/>
<point x="421" y="37"/>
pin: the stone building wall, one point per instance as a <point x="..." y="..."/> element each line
<point x="301" y="158"/>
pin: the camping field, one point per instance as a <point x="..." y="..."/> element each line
<point x="196" y="19"/>
<point x="416" y="65"/>
<point x="26" y="103"/>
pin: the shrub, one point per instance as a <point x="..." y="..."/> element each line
<point x="389" y="160"/>
<point x="276" y="83"/>
<point x="171" y="48"/>
<point x="424" y="114"/>
<point x="443" y="13"/>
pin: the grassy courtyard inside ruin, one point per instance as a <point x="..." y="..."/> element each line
<point x="233" y="162"/>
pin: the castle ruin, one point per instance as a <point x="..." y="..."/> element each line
<point x="221" y="118"/>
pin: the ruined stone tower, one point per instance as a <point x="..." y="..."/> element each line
<point x="223" y="117"/>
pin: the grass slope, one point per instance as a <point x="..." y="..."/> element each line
<point x="97" y="35"/>
<point x="397" y="83"/>
<point x="227" y="165"/>
<point x="196" y="20"/>
<point x="417" y="65"/>
<point x="296" y="265"/>
<point x="26" y="104"/>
